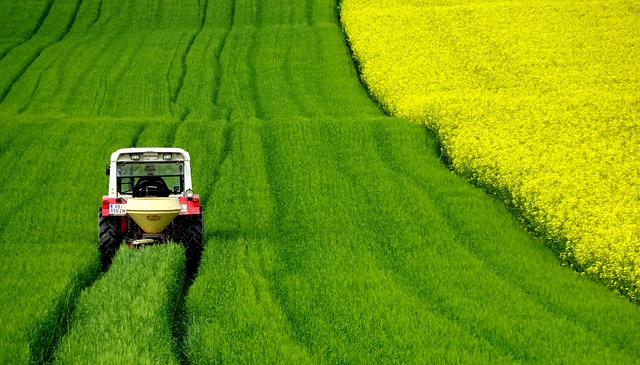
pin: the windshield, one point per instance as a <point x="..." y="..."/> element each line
<point x="131" y="173"/>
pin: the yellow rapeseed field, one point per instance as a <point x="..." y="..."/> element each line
<point x="537" y="100"/>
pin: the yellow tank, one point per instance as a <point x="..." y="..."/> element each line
<point x="153" y="215"/>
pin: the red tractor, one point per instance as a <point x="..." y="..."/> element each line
<point x="150" y="201"/>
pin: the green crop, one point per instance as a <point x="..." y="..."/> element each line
<point x="126" y="317"/>
<point x="334" y="233"/>
<point x="352" y="249"/>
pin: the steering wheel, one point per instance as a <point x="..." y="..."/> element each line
<point x="154" y="186"/>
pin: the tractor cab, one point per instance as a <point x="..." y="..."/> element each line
<point x="159" y="172"/>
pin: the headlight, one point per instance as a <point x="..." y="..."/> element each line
<point x="189" y="193"/>
<point x="135" y="156"/>
<point x="167" y="156"/>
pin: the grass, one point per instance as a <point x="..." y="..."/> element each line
<point x="127" y="315"/>
<point x="38" y="299"/>
<point x="334" y="233"/>
<point x="48" y="227"/>
<point x="373" y="255"/>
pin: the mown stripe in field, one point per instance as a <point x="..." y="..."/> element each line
<point x="17" y="67"/>
<point x="45" y="334"/>
<point x="327" y="273"/>
<point x="53" y="170"/>
<point x="523" y="270"/>
<point x="127" y="315"/>
<point x="126" y="59"/>
<point x="182" y="114"/>
<point x="366" y="264"/>
<point x="19" y="32"/>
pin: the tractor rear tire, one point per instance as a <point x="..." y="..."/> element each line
<point x="109" y="239"/>
<point x="191" y="236"/>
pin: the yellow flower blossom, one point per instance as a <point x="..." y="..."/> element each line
<point x="539" y="100"/>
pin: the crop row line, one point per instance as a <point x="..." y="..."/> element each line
<point x="63" y="33"/>
<point x="45" y="336"/>
<point x="183" y="60"/>
<point x="34" y="31"/>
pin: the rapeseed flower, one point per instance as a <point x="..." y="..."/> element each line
<point x="539" y="101"/>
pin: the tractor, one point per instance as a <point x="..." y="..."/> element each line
<point x="150" y="201"/>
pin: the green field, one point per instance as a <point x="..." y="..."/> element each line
<point x="334" y="232"/>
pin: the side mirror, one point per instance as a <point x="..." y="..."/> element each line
<point x="108" y="170"/>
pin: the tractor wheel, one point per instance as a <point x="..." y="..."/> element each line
<point x="191" y="235"/>
<point x="109" y="239"/>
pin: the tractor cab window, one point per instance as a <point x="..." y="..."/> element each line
<point x="150" y="178"/>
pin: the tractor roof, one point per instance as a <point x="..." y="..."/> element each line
<point x="149" y="154"/>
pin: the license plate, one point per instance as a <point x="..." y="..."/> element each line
<point x="117" y="209"/>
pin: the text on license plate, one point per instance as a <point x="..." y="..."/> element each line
<point x="117" y="209"/>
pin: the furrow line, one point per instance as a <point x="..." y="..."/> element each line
<point x="36" y="29"/>
<point x="185" y="53"/>
<point x="47" y="334"/>
<point x="98" y="14"/>
<point x="253" y="79"/>
<point x="37" y="54"/>
<point x="227" y="142"/>
<point x="278" y="287"/>
<point x="471" y="248"/>
<point x="28" y="102"/>
<point x="179" y="320"/>
<point x="136" y="136"/>
<point x="426" y="294"/>
<point x="222" y="111"/>
<point x="292" y="92"/>
<point x="309" y="12"/>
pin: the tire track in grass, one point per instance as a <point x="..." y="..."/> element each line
<point x="301" y="79"/>
<point x="530" y="278"/>
<point x="115" y="101"/>
<point x="35" y="88"/>
<point x="273" y="65"/>
<point x="393" y="250"/>
<point x="388" y="249"/>
<point x="63" y="33"/>
<point x="309" y="12"/>
<point x="328" y="279"/>
<point x="48" y="255"/>
<point x="234" y="316"/>
<point x="41" y="86"/>
<point x="126" y="316"/>
<point x="45" y="335"/>
<point x="97" y="15"/>
<point x="236" y="95"/>
<point x="227" y="140"/>
<point x="221" y="111"/>
<point x="240" y="320"/>
<point x="181" y="112"/>
<point x="277" y="274"/>
<point x="508" y="332"/>
<point x="387" y="231"/>
<point x="253" y="78"/>
<point x="97" y="46"/>
<point x="43" y="15"/>
<point x="33" y="325"/>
